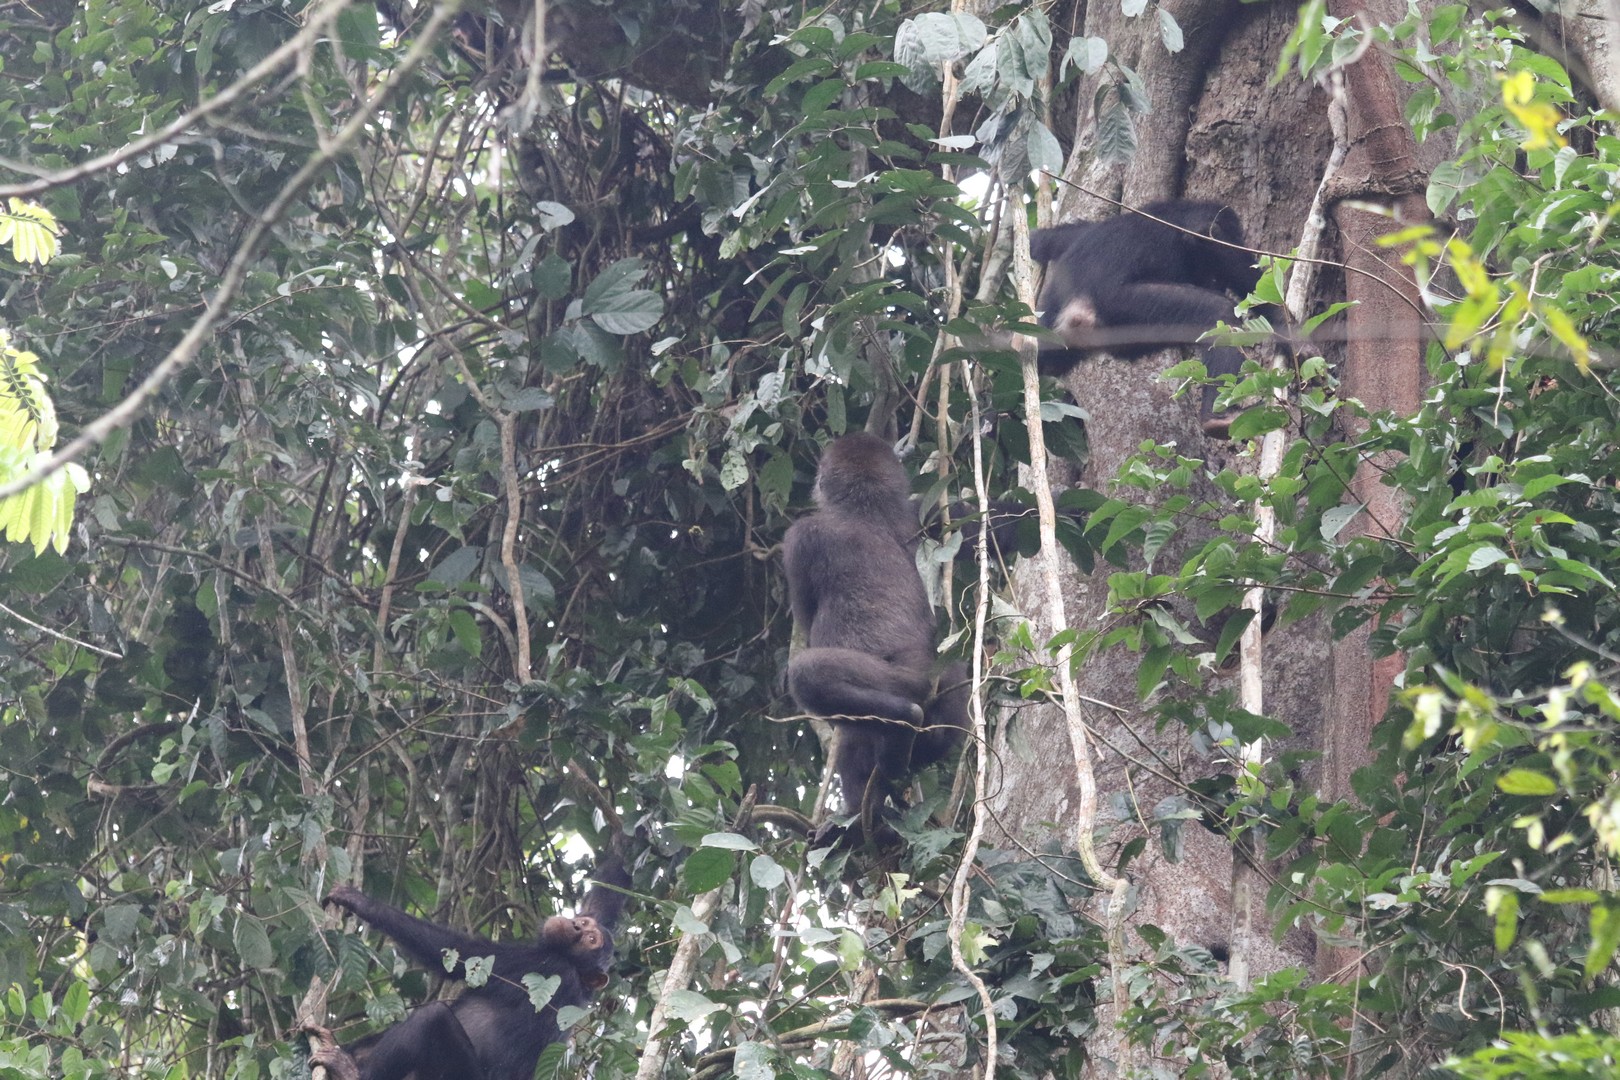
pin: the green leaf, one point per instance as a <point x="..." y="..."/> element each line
<point x="733" y="469"/>
<point x="1116" y="131"/>
<point x="923" y="43"/>
<point x="1526" y="782"/>
<point x="766" y="872"/>
<point x="357" y="30"/>
<point x="1086" y="53"/>
<point x="820" y="97"/>
<point x="630" y="313"/>
<point x="1231" y="631"/>
<point x="851" y="951"/>
<point x="206" y="37"/>
<point x="752" y="1061"/>
<point x="457" y="567"/>
<point x="1483" y="555"/>
<point x="76" y="1002"/>
<point x="552" y="277"/>
<point x="708" y="868"/>
<point x="481" y="296"/>
<point x="797" y="72"/>
<point x="614" y="305"/>
<point x="1169" y="31"/>
<point x="541" y="988"/>
<point x="529" y="399"/>
<point x="976" y="943"/>
<point x="618" y="280"/>
<point x="776" y="480"/>
<point x="689" y="1006"/>
<point x="1258" y="420"/>
<point x="880" y="69"/>
<point x="1605" y="926"/>
<point x="1534" y="489"/>
<point x="466" y="631"/>
<point x="252" y="943"/>
<point x="1044" y="151"/>
<point x="553" y="215"/>
<point x="1151" y="670"/>
<point x="687" y="922"/>
<point x="1507" y="919"/>
<point x="31" y="231"/>
<point x="1570" y="896"/>
<point x="475" y="970"/>
<point x="1127" y="521"/>
<point x="38" y="574"/>
<point x="538" y="591"/>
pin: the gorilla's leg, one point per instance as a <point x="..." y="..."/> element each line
<point x="945" y="718"/>
<point x="848" y="682"/>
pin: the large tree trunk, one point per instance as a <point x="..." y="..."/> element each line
<point x="1217" y="132"/>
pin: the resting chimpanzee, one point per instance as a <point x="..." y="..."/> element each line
<point x="868" y="661"/>
<point x="1132" y="285"/>
<point x="491" y="1032"/>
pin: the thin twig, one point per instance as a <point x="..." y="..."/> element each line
<point x="26" y="621"/>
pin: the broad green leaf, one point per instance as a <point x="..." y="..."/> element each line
<point x="541" y="988"/>
<point x="252" y="943"/>
<point x="708" y="868"/>
<point x="689" y="1006"/>
<point x="1526" y="782"/>
<point x="629" y="313"/>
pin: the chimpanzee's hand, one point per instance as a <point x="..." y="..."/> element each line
<point x="344" y="896"/>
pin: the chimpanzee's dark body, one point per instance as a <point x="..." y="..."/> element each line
<point x="1132" y="285"/>
<point x="490" y="1032"/>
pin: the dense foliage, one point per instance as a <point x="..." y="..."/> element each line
<point x="445" y="563"/>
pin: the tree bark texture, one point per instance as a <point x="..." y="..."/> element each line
<point x="1383" y="367"/>
<point x="1218" y="131"/>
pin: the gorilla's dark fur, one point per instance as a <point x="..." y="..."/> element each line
<point x="869" y="662"/>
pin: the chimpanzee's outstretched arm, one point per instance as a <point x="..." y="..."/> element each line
<point x="605" y="905"/>
<point x="423" y="941"/>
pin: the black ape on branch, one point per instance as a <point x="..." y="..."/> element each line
<point x="1131" y="285"/>
<point x="869" y="661"/>
<point x="493" y="1031"/>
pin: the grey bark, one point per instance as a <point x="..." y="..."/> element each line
<point x="1217" y="131"/>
